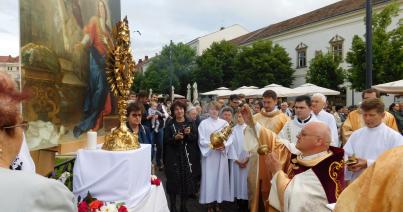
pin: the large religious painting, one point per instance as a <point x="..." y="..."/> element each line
<point x="63" y="47"/>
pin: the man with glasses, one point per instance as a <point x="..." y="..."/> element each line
<point x="303" y="116"/>
<point x="355" y="120"/>
<point x="307" y="175"/>
<point x="258" y="182"/>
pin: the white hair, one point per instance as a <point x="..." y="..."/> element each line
<point x="321" y="96"/>
<point x="190" y="108"/>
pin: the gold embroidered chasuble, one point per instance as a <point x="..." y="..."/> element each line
<point x="258" y="180"/>
<point x="379" y="188"/>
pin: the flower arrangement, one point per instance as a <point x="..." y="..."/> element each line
<point x="155" y="180"/>
<point x="91" y="204"/>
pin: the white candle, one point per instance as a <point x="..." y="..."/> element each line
<point x="91" y="140"/>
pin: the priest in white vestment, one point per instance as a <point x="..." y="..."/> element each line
<point x="367" y="143"/>
<point x="303" y="116"/>
<point x="318" y="105"/>
<point x="215" y="181"/>
<point x="239" y="166"/>
<point x="306" y="176"/>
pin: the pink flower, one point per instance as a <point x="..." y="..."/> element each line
<point x="122" y="208"/>
<point x="83" y="207"/>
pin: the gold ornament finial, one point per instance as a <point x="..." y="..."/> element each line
<point x="219" y="138"/>
<point x="120" y="73"/>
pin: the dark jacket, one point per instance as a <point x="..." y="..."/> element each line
<point x="144" y="133"/>
<point x="181" y="158"/>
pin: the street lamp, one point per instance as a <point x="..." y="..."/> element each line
<point x="368" y="52"/>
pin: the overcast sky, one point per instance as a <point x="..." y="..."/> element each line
<point x="160" y="21"/>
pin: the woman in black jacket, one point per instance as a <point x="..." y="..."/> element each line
<point x="181" y="156"/>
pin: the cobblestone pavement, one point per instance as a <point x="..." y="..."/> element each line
<point x="193" y="203"/>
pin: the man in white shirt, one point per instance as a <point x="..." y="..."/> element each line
<point x="318" y="103"/>
<point x="303" y="116"/>
<point x="367" y="143"/>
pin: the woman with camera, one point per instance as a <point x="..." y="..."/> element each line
<point x="181" y="156"/>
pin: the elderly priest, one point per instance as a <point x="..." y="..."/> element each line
<point x="306" y="176"/>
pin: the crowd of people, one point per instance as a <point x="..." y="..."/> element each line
<point x="288" y="156"/>
<point x="304" y="138"/>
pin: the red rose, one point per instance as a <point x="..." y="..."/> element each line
<point x="83" y="207"/>
<point x="96" y="204"/>
<point x="122" y="208"/>
<point x="156" y="182"/>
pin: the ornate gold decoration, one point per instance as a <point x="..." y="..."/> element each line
<point x="351" y="160"/>
<point x="263" y="149"/>
<point x="218" y="139"/>
<point x="120" y="73"/>
<point x="333" y="169"/>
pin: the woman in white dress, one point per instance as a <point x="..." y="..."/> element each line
<point x="215" y="182"/>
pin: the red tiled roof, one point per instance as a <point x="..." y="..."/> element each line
<point x="9" y="59"/>
<point x="329" y="11"/>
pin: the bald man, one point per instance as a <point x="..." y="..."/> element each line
<point x="305" y="176"/>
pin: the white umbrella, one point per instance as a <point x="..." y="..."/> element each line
<point x="221" y="91"/>
<point x="245" y="90"/>
<point x="395" y="87"/>
<point x="309" y="88"/>
<point x="195" y="93"/>
<point x="188" y="93"/>
<point x="280" y="90"/>
<point x="177" y="96"/>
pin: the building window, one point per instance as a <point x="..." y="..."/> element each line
<point x="301" y="55"/>
<point x="336" y="46"/>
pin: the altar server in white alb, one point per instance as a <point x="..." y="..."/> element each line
<point x="318" y="103"/>
<point x="369" y="142"/>
<point x="303" y="116"/>
<point x="239" y="166"/>
<point x="215" y="182"/>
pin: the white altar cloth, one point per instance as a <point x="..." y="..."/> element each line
<point x="114" y="176"/>
<point x="154" y="202"/>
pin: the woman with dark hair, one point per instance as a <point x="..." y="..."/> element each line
<point x="181" y="156"/>
<point x="395" y="109"/>
<point x="134" y="113"/>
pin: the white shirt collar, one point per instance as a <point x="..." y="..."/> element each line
<point x="310" y="157"/>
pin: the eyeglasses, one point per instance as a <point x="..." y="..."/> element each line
<point x="136" y="115"/>
<point x="24" y="125"/>
<point x="302" y="134"/>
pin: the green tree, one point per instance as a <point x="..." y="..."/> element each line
<point x="261" y="64"/>
<point x="216" y="66"/>
<point x="324" y="70"/>
<point x="176" y="62"/>
<point x="387" y="51"/>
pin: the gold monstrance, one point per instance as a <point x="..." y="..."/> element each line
<point x="120" y="73"/>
